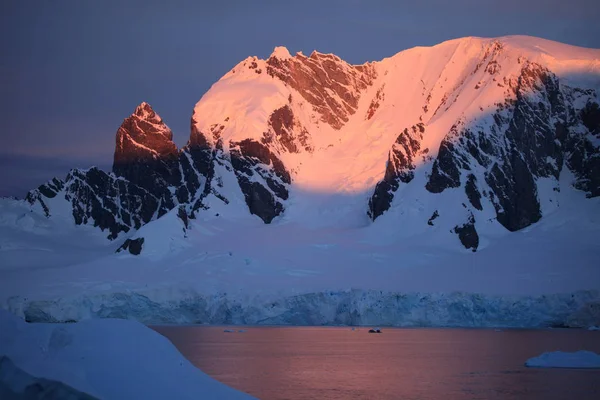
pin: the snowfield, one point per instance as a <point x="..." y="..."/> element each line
<point x="560" y="359"/>
<point x="241" y="271"/>
<point x="107" y="359"/>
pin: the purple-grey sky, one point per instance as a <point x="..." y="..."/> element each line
<point x="72" y="70"/>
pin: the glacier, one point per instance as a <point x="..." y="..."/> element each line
<point x="354" y="307"/>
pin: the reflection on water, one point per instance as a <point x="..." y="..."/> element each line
<point x="339" y="363"/>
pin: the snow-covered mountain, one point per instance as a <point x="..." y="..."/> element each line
<point x="475" y="132"/>
<point x="450" y="148"/>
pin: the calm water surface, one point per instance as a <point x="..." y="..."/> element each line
<point x="338" y="363"/>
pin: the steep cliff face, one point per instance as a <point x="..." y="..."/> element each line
<point x="266" y="117"/>
<point x="399" y="168"/>
<point x="145" y="183"/>
<point x="535" y="130"/>
<point x="463" y="138"/>
<point x="528" y="128"/>
<point x="99" y="199"/>
<point x="146" y="156"/>
<point x="329" y="84"/>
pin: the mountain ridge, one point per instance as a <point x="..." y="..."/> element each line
<point x="272" y="134"/>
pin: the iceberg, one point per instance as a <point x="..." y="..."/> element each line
<point x="560" y="359"/>
<point x="102" y="358"/>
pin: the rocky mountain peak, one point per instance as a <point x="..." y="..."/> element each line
<point x="144" y="110"/>
<point x="472" y="132"/>
<point x="144" y="151"/>
<point x="143" y="135"/>
<point x="332" y="86"/>
<point x="281" y="52"/>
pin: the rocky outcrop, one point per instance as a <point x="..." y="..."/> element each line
<point x="145" y="153"/>
<point x="332" y="86"/>
<point x="286" y="133"/>
<point x="150" y="177"/>
<point x="582" y="155"/>
<point x="262" y="178"/>
<point x="433" y="218"/>
<point x="48" y="190"/>
<point x="146" y="156"/>
<point x="445" y="171"/>
<point x="401" y="163"/>
<point x="134" y="246"/>
<point x="376" y="102"/>
<point x="473" y="192"/>
<point x="468" y="234"/>
<point x="102" y="200"/>
<point x="541" y="126"/>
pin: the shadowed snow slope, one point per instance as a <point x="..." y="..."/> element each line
<point x="108" y="359"/>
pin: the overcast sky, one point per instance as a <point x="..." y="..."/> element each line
<point x="71" y="71"/>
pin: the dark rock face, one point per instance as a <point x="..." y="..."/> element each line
<point x="433" y="218"/>
<point x="583" y="158"/>
<point x="517" y="205"/>
<point x="472" y="192"/>
<point x="468" y="234"/>
<point x="590" y="116"/>
<point x="146" y="156"/>
<point x="254" y="161"/>
<point x="282" y="122"/>
<point x="445" y="173"/>
<point x="109" y="203"/>
<point x="47" y="190"/>
<point x="319" y="75"/>
<point x="145" y="153"/>
<point x="376" y="102"/>
<point x="183" y="216"/>
<point x="150" y="178"/>
<point x="400" y="167"/>
<point x="103" y="200"/>
<point x="133" y="245"/>
<point x="533" y="132"/>
<point x="286" y="132"/>
<point x="531" y="143"/>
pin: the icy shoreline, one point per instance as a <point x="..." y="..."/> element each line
<point x="351" y="307"/>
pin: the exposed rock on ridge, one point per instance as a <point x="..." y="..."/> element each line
<point x="329" y="84"/>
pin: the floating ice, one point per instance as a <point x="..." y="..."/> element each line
<point x="560" y="359"/>
<point x="105" y="358"/>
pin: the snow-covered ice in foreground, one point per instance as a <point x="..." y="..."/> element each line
<point x="16" y="384"/>
<point x="108" y="359"/>
<point x="559" y="359"/>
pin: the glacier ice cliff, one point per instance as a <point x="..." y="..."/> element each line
<point x="348" y="307"/>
